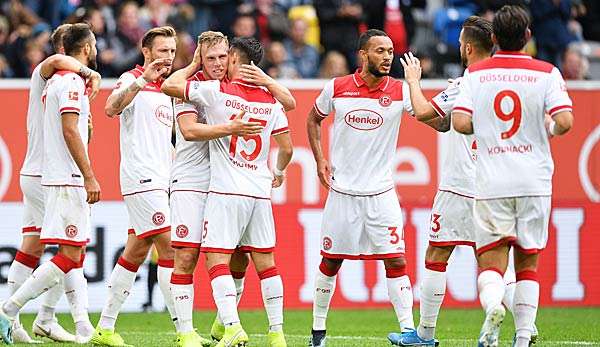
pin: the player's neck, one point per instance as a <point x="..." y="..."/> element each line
<point x="371" y="80"/>
<point x="81" y="58"/>
<point x="477" y="59"/>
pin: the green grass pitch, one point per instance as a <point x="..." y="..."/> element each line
<point x="349" y="328"/>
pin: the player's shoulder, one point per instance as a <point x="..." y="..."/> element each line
<point x="511" y="60"/>
<point x="136" y="72"/>
<point x="247" y="91"/>
<point x="198" y="76"/>
<point x="67" y="77"/>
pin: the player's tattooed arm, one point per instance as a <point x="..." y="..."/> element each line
<point x="116" y="102"/>
<point x="313" y="126"/>
<point x="441" y="124"/>
<point x="58" y="62"/>
<point x="253" y="74"/>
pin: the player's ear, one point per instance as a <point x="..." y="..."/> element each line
<point x="146" y="52"/>
<point x="495" y="40"/>
<point x="527" y="35"/>
<point x="87" y="48"/>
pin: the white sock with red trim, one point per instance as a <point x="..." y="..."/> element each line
<point x="238" y="279"/>
<point x="182" y="292"/>
<point x="163" y="273"/>
<point x="271" y="288"/>
<point x="119" y="286"/>
<point x="510" y="282"/>
<point x="491" y="288"/>
<point x="401" y="296"/>
<point x="527" y="294"/>
<point x="77" y="295"/>
<point x="433" y="290"/>
<point x="224" y="294"/>
<point x="18" y="272"/>
<point x="324" y="288"/>
<point x="44" y="277"/>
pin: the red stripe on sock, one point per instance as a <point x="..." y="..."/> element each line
<point x="395" y="272"/>
<point x="527" y="275"/>
<point x="238" y="274"/>
<point x="27" y="259"/>
<point x="493" y="269"/>
<point x="63" y="262"/>
<point x="170" y="263"/>
<point x="182" y="279"/>
<point x="127" y="265"/>
<point x="325" y="270"/>
<point x="270" y="272"/>
<point x="436" y="266"/>
<point x="218" y="270"/>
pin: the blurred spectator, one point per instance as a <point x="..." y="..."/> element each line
<point x="334" y="65"/>
<point x="53" y="12"/>
<point x="339" y="22"/>
<point x="5" y="70"/>
<point x="574" y="65"/>
<point x="271" y="21"/>
<point x="34" y="54"/>
<point x="487" y="8"/>
<point x="308" y="14"/>
<point x="302" y="56"/>
<point x="155" y="13"/>
<point x="106" y="54"/>
<point x="276" y="64"/>
<point x="589" y="17"/>
<point x="549" y="26"/>
<point x="244" y="26"/>
<point x="217" y="15"/>
<point x="125" y="43"/>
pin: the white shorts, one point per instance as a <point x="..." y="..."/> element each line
<point x="66" y="217"/>
<point x="362" y="227"/>
<point x="187" y="218"/>
<point x="33" y="204"/>
<point x="149" y="213"/>
<point x="232" y="221"/>
<point x="521" y="221"/>
<point x="452" y="220"/>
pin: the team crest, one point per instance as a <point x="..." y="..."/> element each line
<point x="327" y="243"/>
<point x="181" y="231"/>
<point x="158" y="218"/>
<point x="71" y="231"/>
<point x="385" y="100"/>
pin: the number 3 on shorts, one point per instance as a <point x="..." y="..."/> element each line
<point x="395" y="238"/>
<point x="435" y="223"/>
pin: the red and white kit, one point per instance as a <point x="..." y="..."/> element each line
<point x="238" y="209"/>
<point x="31" y="171"/>
<point x="66" y="214"/>
<point x="362" y="217"/>
<point x="452" y="211"/>
<point x="190" y="177"/>
<point x="146" y="156"/>
<point x="514" y="164"/>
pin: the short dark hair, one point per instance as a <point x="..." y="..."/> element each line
<point x="510" y="27"/>
<point x="364" y="37"/>
<point x="248" y="48"/>
<point x="57" y="36"/>
<point x="478" y="32"/>
<point x="151" y="34"/>
<point x="76" y="36"/>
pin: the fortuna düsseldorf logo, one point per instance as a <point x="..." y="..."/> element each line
<point x="158" y="218"/>
<point x="327" y="243"/>
<point x="181" y="231"/>
<point x="71" y="231"/>
<point x="385" y="100"/>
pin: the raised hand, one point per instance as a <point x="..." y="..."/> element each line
<point x="412" y="67"/>
<point x="157" y="69"/>
<point x="240" y="127"/>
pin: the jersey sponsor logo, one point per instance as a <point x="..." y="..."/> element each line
<point x="385" y="100"/>
<point x="158" y="218"/>
<point x="181" y="231"/>
<point x="164" y="115"/>
<point x="364" y="119"/>
<point x="71" y="231"/>
<point x="327" y="243"/>
<point x="350" y="93"/>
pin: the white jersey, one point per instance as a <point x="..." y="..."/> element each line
<point x="365" y="131"/>
<point x="458" y="169"/>
<point x="64" y="93"/>
<point x="507" y="96"/>
<point x="239" y="165"/>
<point x="145" y="132"/>
<point x="32" y="165"/>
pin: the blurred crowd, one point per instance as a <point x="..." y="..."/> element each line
<point x="303" y="38"/>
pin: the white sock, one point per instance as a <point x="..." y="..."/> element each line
<point x="324" y="289"/>
<point x="119" y="286"/>
<point x="223" y="290"/>
<point x="491" y="289"/>
<point x="510" y="282"/>
<point x="271" y="288"/>
<point x="182" y="292"/>
<point x="50" y="299"/>
<point x="433" y="290"/>
<point x="527" y="293"/>
<point x="239" y="288"/>
<point x="18" y="272"/>
<point x="401" y="296"/>
<point x="164" y="283"/>
<point x="77" y="295"/>
<point x="43" y="278"/>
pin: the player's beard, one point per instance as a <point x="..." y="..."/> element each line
<point x="373" y="70"/>
<point x="92" y="63"/>
<point x="463" y="58"/>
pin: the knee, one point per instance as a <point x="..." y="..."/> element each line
<point x="185" y="261"/>
<point x="135" y="256"/>
<point x="438" y="254"/>
<point x="330" y="267"/>
<point x="263" y="261"/>
<point x="395" y="263"/>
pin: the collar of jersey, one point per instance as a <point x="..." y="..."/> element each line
<point x="511" y="54"/>
<point x="360" y="82"/>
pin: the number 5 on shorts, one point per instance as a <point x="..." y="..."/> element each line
<point x="205" y="229"/>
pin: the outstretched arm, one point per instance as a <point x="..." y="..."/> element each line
<point x="194" y="131"/>
<point x="58" y="62"/>
<point x="253" y="74"/>
<point x="176" y="83"/>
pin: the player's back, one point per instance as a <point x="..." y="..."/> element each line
<point x="32" y="164"/>
<point x="511" y="92"/>
<point x="64" y="93"/>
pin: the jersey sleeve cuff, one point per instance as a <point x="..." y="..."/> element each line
<point x="280" y="131"/>
<point x="465" y="110"/>
<point x="561" y="108"/>
<point x="322" y="114"/>
<point x="437" y="108"/>
<point x="186" y="113"/>
<point x="69" y="110"/>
